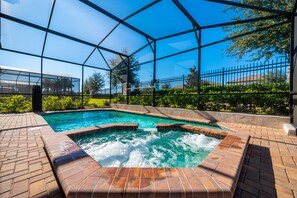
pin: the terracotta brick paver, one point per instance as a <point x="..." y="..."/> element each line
<point x="24" y="167"/>
<point x="270" y="166"/>
<point x="269" y="170"/>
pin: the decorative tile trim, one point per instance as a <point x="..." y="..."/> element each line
<point x="80" y="175"/>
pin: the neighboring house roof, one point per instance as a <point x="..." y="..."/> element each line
<point x="251" y="78"/>
<point x="33" y="72"/>
<point x="209" y="82"/>
<point x="2" y="82"/>
<point x="178" y="87"/>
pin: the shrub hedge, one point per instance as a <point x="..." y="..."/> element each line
<point x="270" y="98"/>
<point x="63" y="103"/>
<point x="19" y="103"/>
<point x="16" y="103"/>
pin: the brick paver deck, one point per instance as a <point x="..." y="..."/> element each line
<point x="25" y="170"/>
<point x="269" y="170"/>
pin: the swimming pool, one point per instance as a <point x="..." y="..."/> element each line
<point x="75" y="120"/>
<point x="147" y="148"/>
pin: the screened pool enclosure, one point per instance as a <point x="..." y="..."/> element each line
<point x="143" y="48"/>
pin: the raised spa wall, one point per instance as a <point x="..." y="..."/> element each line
<point x="81" y="176"/>
<point x="208" y="116"/>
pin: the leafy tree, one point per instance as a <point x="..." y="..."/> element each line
<point x="263" y="44"/>
<point x="192" y="79"/>
<point x="67" y="84"/>
<point x="276" y="76"/>
<point x="57" y="85"/>
<point x="48" y="85"/>
<point x="94" y="83"/>
<point x="153" y="84"/>
<point x="119" y="74"/>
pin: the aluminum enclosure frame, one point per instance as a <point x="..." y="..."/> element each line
<point x="290" y="17"/>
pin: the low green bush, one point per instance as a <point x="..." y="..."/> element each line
<point x="14" y="104"/>
<point x="19" y="103"/>
<point x="120" y="99"/>
<point x="86" y="100"/>
<point x="63" y="103"/>
<point x="68" y="103"/>
<point x="50" y="103"/>
<point x="253" y="98"/>
<point x="106" y="102"/>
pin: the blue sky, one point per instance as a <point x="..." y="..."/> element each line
<point x="78" y="20"/>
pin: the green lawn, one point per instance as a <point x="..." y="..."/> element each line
<point x="98" y="101"/>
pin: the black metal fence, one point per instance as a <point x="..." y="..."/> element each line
<point x="274" y="71"/>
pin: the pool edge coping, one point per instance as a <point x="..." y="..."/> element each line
<point x="75" y="169"/>
<point x="199" y="121"/>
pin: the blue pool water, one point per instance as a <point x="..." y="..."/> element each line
<point x="76" y="120"/>
<point x="148" y="148"/>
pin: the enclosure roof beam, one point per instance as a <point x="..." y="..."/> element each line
<point x="175" y="34"/>
<point x="56" y="33"/>
<point x="111" y="31"/>
<point x="100" y="68"/>
<point x="242" y="21"/>
<point x="50" y="58"/>
<point x="125" y="62"/>
<point x="141" y="10"/>
<point x="48" y="25"/>
<point x="44" y="42"/>
<point x="101" y="10"/>
<point x="0" y="27"/>
<point x="103" y="58"/>
<point x="295" y="7"/>
<point x="242" y="5"/>
<point x="244" y="34"/>
<point x="153" y="50"/>
<point x="168" y="56"/>
<point x="222" y="25"/>
<point x="121" y="62"/>
<point x="141" y="48"/>
<point x="216" y="42"/>
<point x="186" y="13"/>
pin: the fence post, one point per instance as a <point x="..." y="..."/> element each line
<point x="117" y="86"/>
<point x="154" y="73"/>
<point x="128" y="82"/>
<point x="29" y="81"/>
<point x="82" y="87"/>
<point x="199" y="68"/>
<point x="223" y="76"/>
<point x="183" y="81"/>
<point x="110" y="76"/>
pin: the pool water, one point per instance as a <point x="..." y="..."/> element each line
<point x="76" y="120"/>
<point x="147" y="148"/>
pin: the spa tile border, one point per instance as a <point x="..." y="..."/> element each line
<point x="81" y="176"/>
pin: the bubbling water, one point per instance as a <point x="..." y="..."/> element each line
<point x="148" y="148"/>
